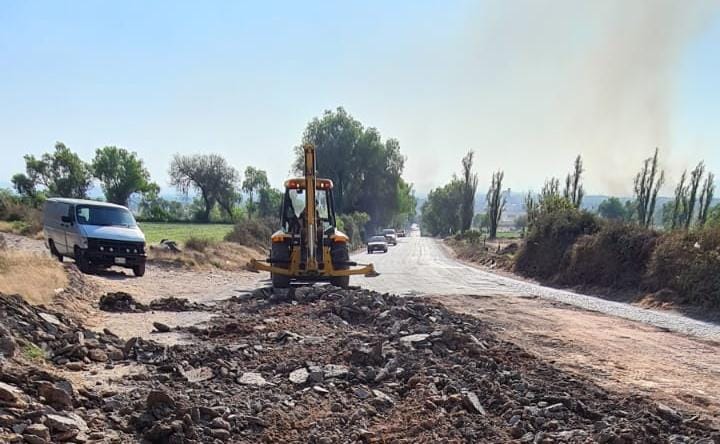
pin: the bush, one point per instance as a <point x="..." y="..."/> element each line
<point x="689" y="264"/>
<point x="552" y="235"/>
<point x="198" y="243"/>
<point x="253" y="233"/>
<point x="614" y="257"/>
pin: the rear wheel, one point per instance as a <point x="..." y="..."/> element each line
<point x="340" y="257"/>
<point x="54" y="252"/>
<point x="280" y="257"/>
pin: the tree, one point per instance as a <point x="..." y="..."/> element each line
<point x="706" y="197"/>
<point x="679" y="208"/>
<point x="612" y="208"/>
<point x="121" y="174"/>
<point x="470" y="183"/>
<point x="208" y="174"/>
<point x="495" y="203"/>
<point x="713" y="218"/>
<point x="574" y="191"/>
<point x="531" y="208"/>
<point x="61" y="173"/>
<point x="440" y="215"/>
<point x="366" y="171"/>
<point x="646" y="186"/>
<point x="480" y="221"/>
<point x="255" y="181"/>
<point x="695" y="178"/>
<point x="269" y="202"/>
<point x="520" y="223"/>
<point x="157" y="209"/>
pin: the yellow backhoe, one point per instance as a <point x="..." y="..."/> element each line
<point x="308" y="247"/>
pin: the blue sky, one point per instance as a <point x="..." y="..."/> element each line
<point x="526" y="84"/>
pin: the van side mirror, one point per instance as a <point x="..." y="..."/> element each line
<point x="66" y="219"/>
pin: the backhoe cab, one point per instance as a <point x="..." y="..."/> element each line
<point x="308" y="246"/>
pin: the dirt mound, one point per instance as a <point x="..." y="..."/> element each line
<point x="122" y="302"/>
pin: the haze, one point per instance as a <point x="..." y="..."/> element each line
<point x="527" y="84"/>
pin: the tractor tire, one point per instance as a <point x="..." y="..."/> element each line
<point x="280" y="252"/>
<point x="340" y="254"/>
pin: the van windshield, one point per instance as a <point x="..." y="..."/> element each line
<point x="104" y="216"/>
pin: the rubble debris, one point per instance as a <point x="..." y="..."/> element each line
<point x="386" y="369"/>
<point x="122" y="302"/>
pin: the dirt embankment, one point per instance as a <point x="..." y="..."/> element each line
<point x="316" y="365"/>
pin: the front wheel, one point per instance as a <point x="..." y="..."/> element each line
<point x="82" y="262"/>
<point x="139" y="270"/>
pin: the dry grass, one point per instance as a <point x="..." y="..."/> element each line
<point x="32" y="276"/>
<point x="223" y="255"/>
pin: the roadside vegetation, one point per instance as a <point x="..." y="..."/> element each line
<point x="35" y="277"/>
<point x="619" y="247"/>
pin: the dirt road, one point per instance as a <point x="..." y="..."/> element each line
<point x="617" y="345"/>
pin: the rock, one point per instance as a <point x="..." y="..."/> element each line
<point x="8" y="346"/>
<point x="59" y="423"/>
<point x="667" y="413"/>
<point x="55" y="395"/>
<point x="412" y="339"/>
<point x="321" y="390"/>
<point x="221" y="434"/>
<point x="97" y="355"/>
<point x="159" y="398"/>
<point x="75" y="366"/>
<point x="162" y="328"/>
<point x="115" y="354"/>
<point x="219" y="423"/>
<point x="38" y="430"/>
<point x="472" y="403"/>
<point x="383" y="397"/>
<point x="12" y="396"/>
<point x="335" y="371"/>
<point x="255" y="379"/>
<point x="299" y="376"/>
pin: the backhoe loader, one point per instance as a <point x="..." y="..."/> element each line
<point x="308" y="247"/>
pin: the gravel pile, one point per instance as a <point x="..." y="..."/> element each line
<point x="325" y="365"/>
<point x="122" y="302"/>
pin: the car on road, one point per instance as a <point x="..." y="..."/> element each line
<point x="400" y="233"/>
<point x="390" y="236"/>
<point x="95" y="234"/>
<point x="377" y="243"/>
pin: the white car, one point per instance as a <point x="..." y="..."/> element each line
<point x="95" y="234"/>
<point x="390" y="235"/>
<point x="377" y="243"/>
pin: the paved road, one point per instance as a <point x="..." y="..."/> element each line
<point x="421" y="266"/>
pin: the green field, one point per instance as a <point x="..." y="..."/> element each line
<point x="157" y="231"/>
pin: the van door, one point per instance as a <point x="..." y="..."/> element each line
<point x="73" y="233"/>
<point x="53" y="224"/>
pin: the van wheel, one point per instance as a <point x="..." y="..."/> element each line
<point x="139" y="270"/>
<point x="54" y="251"/>
<point x="82" y="261"/>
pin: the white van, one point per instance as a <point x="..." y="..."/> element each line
<point x="95" y="234"/>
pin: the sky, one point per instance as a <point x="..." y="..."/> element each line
<point x="527" y="84"/>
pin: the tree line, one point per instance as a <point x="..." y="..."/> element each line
<point x="691" y="206"/>
<point x="367" y="171"/>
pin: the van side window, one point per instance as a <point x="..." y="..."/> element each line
<point x="70" y="213"/>
<point x="83" y="215"/>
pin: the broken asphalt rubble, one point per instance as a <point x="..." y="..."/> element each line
<point x="319" y="365"/>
